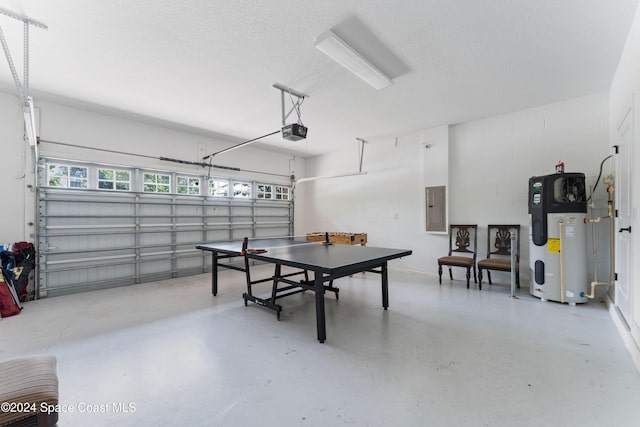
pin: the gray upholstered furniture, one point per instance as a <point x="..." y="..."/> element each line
<point x="28" y="385"/>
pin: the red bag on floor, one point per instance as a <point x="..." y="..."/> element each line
<point x="8" y="307"/>
<point x="25" y="261"/>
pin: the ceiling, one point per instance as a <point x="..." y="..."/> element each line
<point x="210" y="65"/>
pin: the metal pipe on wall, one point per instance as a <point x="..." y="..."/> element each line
<point x="610" y="216"/>
<point x="514" y="244"/>
<point x="561" y="264"/>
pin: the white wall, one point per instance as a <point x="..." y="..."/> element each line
<point x="387" y="203"/>
<point x="73" y="125"/>
<point x="490" y="163"/>
<point x="16" y="173"/>
<point x="493" y="159"/>
<point x="91" y="129"/>
<point x="435" y="163"/>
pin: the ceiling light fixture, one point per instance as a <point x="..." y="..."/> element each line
<point x="340" y="51"/>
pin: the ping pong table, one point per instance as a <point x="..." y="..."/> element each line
<point x="327" y="262"/>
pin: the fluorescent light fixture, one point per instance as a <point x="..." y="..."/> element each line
<point x="341" y="52"/>
<point x="30" y="122"/>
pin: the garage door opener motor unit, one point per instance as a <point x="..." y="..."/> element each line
<point x="294" y="132"/>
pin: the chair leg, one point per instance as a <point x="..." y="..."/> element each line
<point x="450" y="274"/>
<point x="475" y="278"/>
<point x="489" y="277"/>
<point x="440" y="273"/>
<point x="518" y="278"/>
<point x="480" y="278"/>
<point x="468" y="276"/>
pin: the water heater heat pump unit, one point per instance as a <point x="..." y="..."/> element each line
<point x="557" y="237"/>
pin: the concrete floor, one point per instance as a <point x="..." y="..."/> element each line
<point x="170" y="354"/>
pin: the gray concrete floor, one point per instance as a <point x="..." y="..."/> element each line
<point x="170" y="354"/>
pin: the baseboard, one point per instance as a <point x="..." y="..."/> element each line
<point x="623" y="330"/>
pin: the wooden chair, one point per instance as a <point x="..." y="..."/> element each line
<point x="499" y="251"/>
<point x="462" y="251"/>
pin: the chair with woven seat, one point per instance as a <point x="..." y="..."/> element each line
<point x="499" y="251"/>
<point x="462" y="251"/>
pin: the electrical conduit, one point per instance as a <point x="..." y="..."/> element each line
<point x="609" y="181"/>
<point x="561" y="263"/>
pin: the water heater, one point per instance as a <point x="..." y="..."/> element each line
<point x="557" y="237"/>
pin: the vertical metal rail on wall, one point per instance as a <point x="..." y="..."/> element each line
<point x="512" y="260"/>
<point x="205" y="223"/>
<point x="174" y="240"/>
<point x="136" y="210"/>
<point x="291" y="217"/>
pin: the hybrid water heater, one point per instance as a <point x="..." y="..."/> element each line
<point x="557" y="237"/>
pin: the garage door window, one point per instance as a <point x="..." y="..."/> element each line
<point x="242" y="190"/>
<point x="188" y="185"/>
<point x="112" y="179"/>
<point x="219" y="188"/>
<point x="156" y="183"/>
<point x="67" y="176"/>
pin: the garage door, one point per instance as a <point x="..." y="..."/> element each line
<point x="102" y="226"/>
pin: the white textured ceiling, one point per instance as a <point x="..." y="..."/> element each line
<point x="211" y="64"/>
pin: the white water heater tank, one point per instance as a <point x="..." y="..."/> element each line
<point x="557" y="238"/>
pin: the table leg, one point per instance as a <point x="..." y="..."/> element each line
<point x="385" y="287"/>
<point x="247" y="273"/>
<point x="276" y="278"/>
<point x="214" y="273"/>
<point x="319" y="290"/>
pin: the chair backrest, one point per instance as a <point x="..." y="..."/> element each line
<point x="499" y="239"/>
<point x="462" y="239"/>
